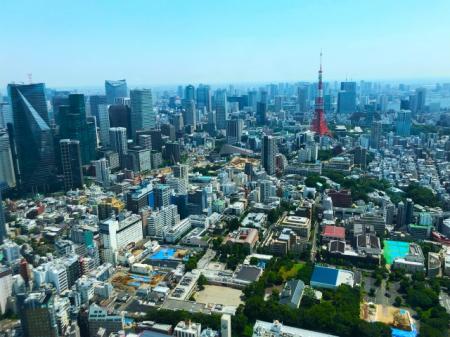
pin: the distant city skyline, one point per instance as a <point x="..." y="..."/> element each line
<point x="165" y="43"/>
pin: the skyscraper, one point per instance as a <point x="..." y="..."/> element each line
<point x="71" y="164"/>
<point x="204" y="97"/>
<point x="181" y="172"/>
<point x="261" y="113"/>
<point x="6" y="161"/>
<point x="189" y="92"/>
<point x="102" y="172"/>
<point x="33" y="137"/>
<point x="347" y="98"/>
<point x="162" y="196"/>
<point x="142" y="115"/>
<point x="103" y="123"/>
<point x="401" y="215"/>
<point x="120" y="116"/>
<point x="94" y="102"/>
<point x="234" y="130"/>
<point x="221" y="106"/>
<point x="189" y="112"/>
<point x="37" y="314"/>
<point x="375" y="134"/>
<point x="168" y="130"/>
<point x="177" y="121"/>
<point x="302" y="98"/>
<point x="2" y="221"/>
<point x="115" y="89"/>
<point x="268" y="152"/>
<point x="252" y="99"/>
<point x="119" y="143"/>
<point x="173" y="152"/>
<point x="59" y="98"/>
<point x="421" y="96"/>
<point x="409" y="211"/>
<point x="403" y="123"/>
<point x="75" y="125"/>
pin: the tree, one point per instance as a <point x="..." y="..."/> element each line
<point x="421" y="195"/>
<point x="398" y="301"/>
<point x="314" y="179"/>
<point x="202" y="281"/>
<point x="253" y="261"/>
<point x="217" y="242"/>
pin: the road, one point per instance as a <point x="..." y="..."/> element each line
<point x="314" y="242"/>
<point x="203" y="262"/>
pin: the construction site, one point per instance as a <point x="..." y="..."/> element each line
<point x="398" y="319"/>
<point x="130" y="282"/>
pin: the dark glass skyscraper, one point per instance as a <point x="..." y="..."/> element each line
<point x="74" y="125"/>
<point x="115" y="89"/>
<point x="189" y="92"/>
<point x="261" y="113"/>
<point x="403" y="123"/>
<point x="120" y="116"/>
<point x="204" y="97"/>
<point x="71" y="163"/>
<point x="2" y="221"/>
<point x="94" y="102"/>
<point x="142" y="115"/>
<point x="268" y="152"/>
<point x="347" y="98"/>
<point x="37" y="314"/>
<point x="33" y="137"/>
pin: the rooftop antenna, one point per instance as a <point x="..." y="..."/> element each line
<point x="30" y="78"/>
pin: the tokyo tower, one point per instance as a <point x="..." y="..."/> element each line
<point x="319" y="124"/>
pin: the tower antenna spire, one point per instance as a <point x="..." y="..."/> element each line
<point x="319" y="124"/>
<point x="320" y="59"/>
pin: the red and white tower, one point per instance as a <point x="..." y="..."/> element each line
<point x="319" y="124"/>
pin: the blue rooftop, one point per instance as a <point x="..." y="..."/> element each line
<point x="325" y="275"/>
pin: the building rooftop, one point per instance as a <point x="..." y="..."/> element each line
<point x="277" y="329"/>
<point x="334" y="231"/>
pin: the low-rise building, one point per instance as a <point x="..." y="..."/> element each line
<point x="247" y="237"/>
<point x="413" y="262"/>
<point x="277" y="329"/>
<point x="331" y="278"/>
<point x="299" y="224"/>
<point x="333" y="233"/>
<point x="292" y="293"/>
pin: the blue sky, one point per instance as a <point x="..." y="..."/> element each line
<point x="152" y="42"/>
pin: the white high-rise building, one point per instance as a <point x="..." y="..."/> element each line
<point x="57" y="275"/>
<point x="177" y="184"/>
<point x="6" y="161"/>
<point x="225" y="325"/>
<point x="119" y="143"/>
<point x="266" y="190"/>
<point x="102" y="172"/>
<point x="181" y="172"/>
<point x="160" y="221"/>
<point x="116" y="235"/>
<point x="103" y="124"/>
<point x="6" y="283"/>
